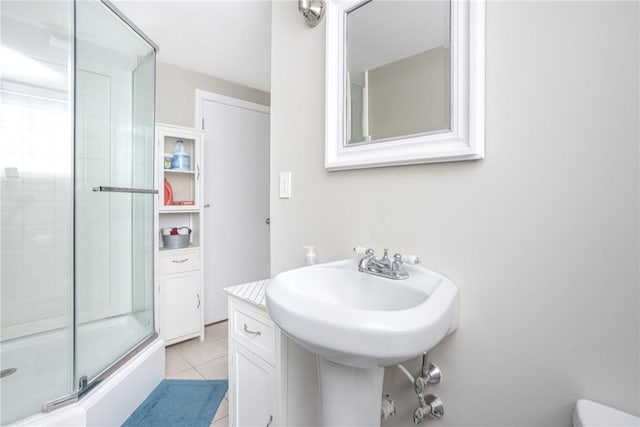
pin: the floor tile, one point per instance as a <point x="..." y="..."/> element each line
<point x="217" y="330"/>
<point x="223" y="410"/>
<point x="224" y="341"/>
<point x="174" y="362"/>
<point x="197" y="352"/>
<point x="224" y="422"/>
<point x="215" y="370"/>
<point x="187" y="374"/>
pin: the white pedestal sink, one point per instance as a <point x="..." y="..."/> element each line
<point x="357" y="324"/>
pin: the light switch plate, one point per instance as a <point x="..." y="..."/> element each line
<point x="285" y="185"/>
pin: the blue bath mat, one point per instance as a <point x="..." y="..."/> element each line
<point x="190" y="403"/>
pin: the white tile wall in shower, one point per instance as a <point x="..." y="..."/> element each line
<point x="11" y="238"/>
<point x="92" y="209"/>
<point x="103" y="255"/>
<point x="33" y="259"/>
<point x="35" y="214"/>
<point x="38" y="237"/>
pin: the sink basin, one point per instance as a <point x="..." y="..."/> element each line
<point x="361" y="320"/>
<point x="358" y="323"/>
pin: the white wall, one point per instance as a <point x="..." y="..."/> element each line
<point x="542" y="236"/>
<point x="410" y="95"/>
<point x="176" y="89"/>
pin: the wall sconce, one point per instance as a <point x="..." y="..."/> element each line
<point x="313" y="11"/>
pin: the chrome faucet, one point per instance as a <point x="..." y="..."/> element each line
<point x="383" y="266"/>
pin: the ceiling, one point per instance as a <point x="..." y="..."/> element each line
<point x="228" y="39"/>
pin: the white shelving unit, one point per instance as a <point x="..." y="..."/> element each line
<point x="179" y="286"/>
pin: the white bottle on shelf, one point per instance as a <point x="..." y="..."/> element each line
<point x="181" y="159"/>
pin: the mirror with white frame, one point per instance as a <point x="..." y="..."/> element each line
<point x="404" y="82"/>
<point x="397" y="70"/>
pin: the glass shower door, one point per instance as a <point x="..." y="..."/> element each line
<point x="113" y="189"/>
<point x="36" y="122"/>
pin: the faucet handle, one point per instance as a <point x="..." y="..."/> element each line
<point x="410" y="259"/>
<point x="407" y="259"/>
<point x="362" y="251"/>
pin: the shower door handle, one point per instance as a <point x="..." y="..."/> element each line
<point x="106" y="189"/>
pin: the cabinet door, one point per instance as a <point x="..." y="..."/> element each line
<point x="181" y="302"/>
<point x="186" y="183"/>
<point x="251" y="389"/>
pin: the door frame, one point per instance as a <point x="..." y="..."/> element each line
<point x="204" y="95"/>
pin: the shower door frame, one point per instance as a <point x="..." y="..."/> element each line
<point x="133" y="26"/>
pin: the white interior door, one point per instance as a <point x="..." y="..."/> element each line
<point x="236" y="194"/>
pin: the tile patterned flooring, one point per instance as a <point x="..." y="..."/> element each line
<point x="195" y="359"/>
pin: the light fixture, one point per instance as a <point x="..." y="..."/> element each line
<point x="313" y="11"/>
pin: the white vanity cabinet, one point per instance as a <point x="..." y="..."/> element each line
<point x="179" y="287"/>
<point x="253" y="380"/>
<point x="272" y="380"/>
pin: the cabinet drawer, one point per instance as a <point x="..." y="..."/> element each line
<point x="255" y="332"/>
<point x="177" y="263"/>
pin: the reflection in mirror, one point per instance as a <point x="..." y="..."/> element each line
<point x="398" y="70"/>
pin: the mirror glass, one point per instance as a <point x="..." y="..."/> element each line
<point x="398" y="70"/>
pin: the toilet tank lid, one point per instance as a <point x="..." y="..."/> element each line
<point x="591" y="414"/>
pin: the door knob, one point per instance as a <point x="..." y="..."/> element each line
<point x="267" y="221"/>
<point x="208" y="205"/>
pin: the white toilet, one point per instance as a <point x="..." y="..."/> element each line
<point x="592" y="414"/>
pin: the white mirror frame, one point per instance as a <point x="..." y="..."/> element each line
<point x="465" y="140"/>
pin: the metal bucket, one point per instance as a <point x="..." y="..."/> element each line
<point x="176" y="241"/>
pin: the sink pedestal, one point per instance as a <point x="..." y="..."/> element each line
<point x="349" y="396"/>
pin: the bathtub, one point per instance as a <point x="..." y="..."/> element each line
<point x="44" y="372"/>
